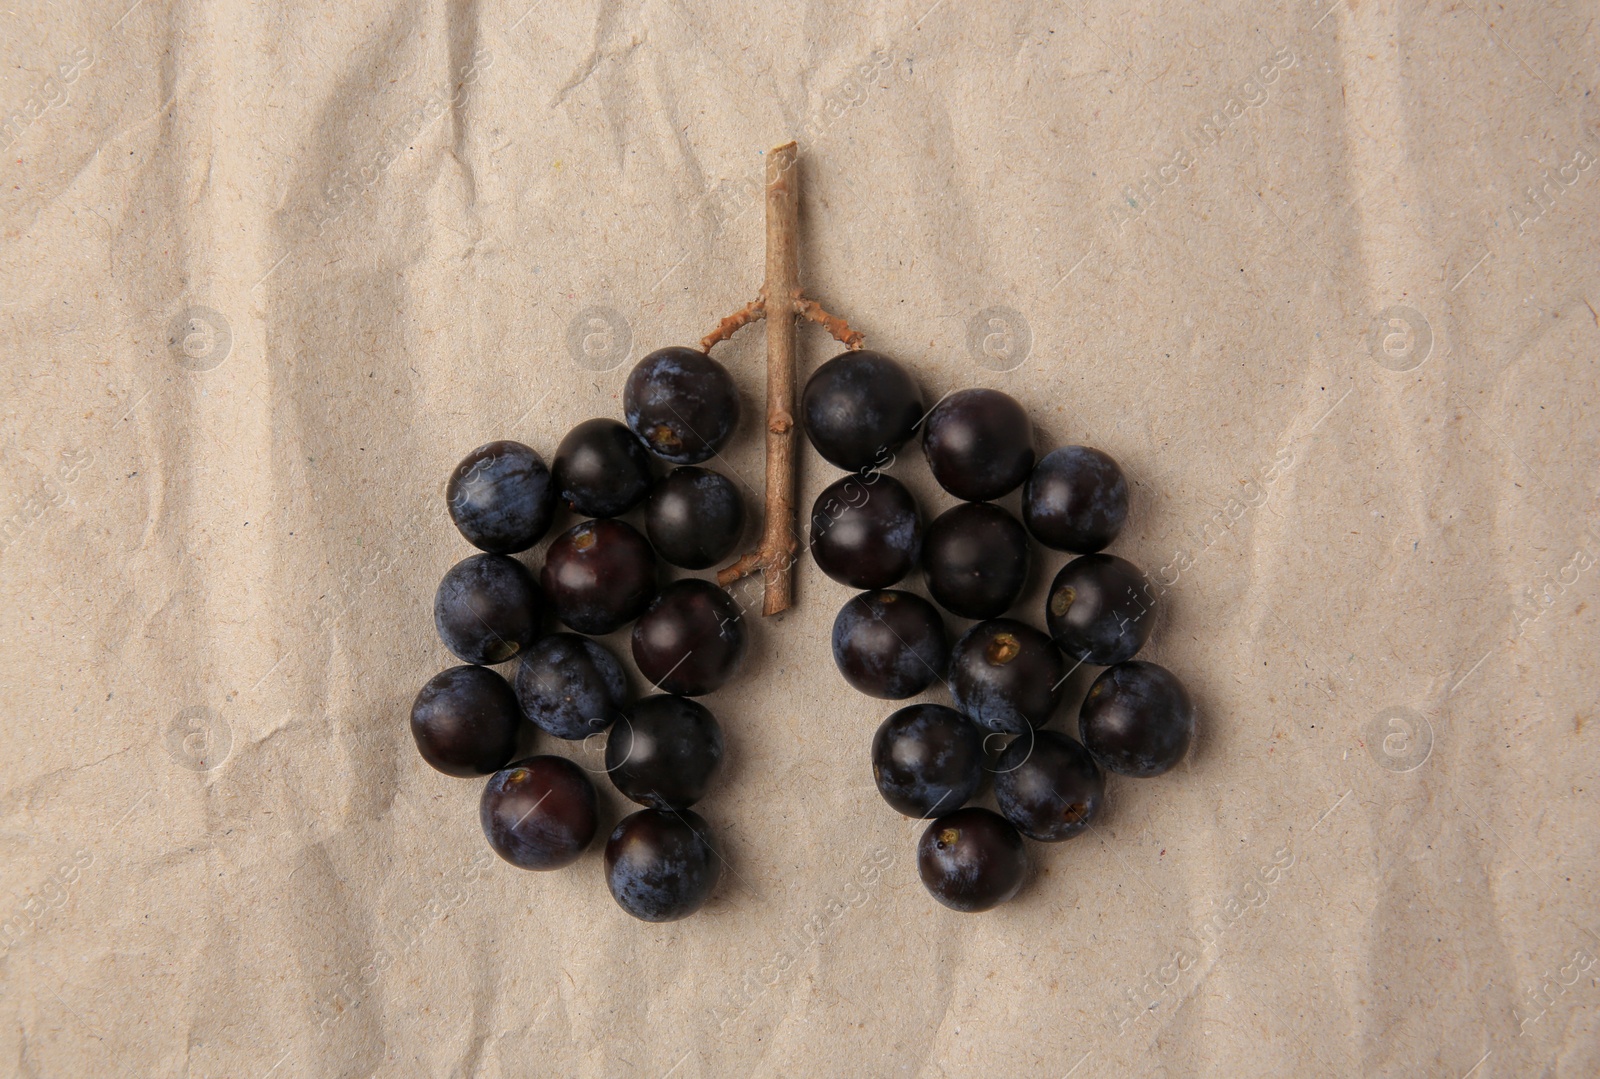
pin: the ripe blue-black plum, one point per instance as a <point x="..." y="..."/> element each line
<point x="682" y="404"/>
<point x="927" y="760"/>
<point x="979" y="444"/>
<point x="890" y="644"/>
<point x="599" y="575"/>
<point x="858" y="408"/>
<point x="570" y="686"/>
<point x="660" y="865"/>
<point x="465" y="721"/>
<point x="1100" y="609"/>
<point x="1048" y="785"/>
<point x="539" y="813"/>
<point x="691" y="640"/>
<point x="694" y="517"/>
<point x="1006" y="676"/>
<point x="975" y="560"/>
<point x="487" y="608"/>
<point x="664" y="752"/>
<point x="866" y="533"/>
<point x="601" y="470"/>
<point x="501" y="497"/>
<point x="1137" y="719"/>
<point x="971" y="860"/>
<point x="1075" y="500"/>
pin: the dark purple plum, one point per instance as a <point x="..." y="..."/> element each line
<point x="866" y="533"/>
<point x="971" y="860"/>
<point x="694" y="517"/>
<point x="466" y="721"/>
<point x="601" y="470"/>
<point x="691" y="640"/>
<point x="1137" y="719"/>
<point x="539" y="813"/>
<point x="664" y="751"/>
<point x="1006" y="676"/>
<point x="501" y="497"/>
<point x="682" y="404"/>
<point x="1048" y="786"/>
<point x="927" y="759"/>
<point x="975" y="560"/>
<point x="599" y="575"/>
<point x="859" y="408"/>
<point x="1100" y="609"/>
<point x="570" y="686"/>
<point x="660" y="865"/>
<point x="979" y="444"/>
<point x="487" y="608"/>
<point x="890" y="644"/>
<point x="1075" y="500"/>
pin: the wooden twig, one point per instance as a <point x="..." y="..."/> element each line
<point x="838" y="327"/>
<point x="756" y="308"/>
<point x="779" y="302"/>
<point x="776" y="554"/>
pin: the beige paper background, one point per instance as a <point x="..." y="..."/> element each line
<point x="252" y="314"/>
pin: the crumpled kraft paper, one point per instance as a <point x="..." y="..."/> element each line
<point x="1319" y="276"/>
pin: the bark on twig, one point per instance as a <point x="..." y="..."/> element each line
<point x="780" y="303"/>
<point x="775" y="556"/>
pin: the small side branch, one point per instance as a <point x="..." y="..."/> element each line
<point x="812" y="311"/>
<point x="750" y="312"/>
<point x="740" y="569"/>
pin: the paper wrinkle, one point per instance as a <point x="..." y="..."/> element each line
<point x="1396" y="251"/>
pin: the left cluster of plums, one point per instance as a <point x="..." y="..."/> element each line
<point x="600" y="575"/>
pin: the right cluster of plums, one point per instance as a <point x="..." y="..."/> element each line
<point x="1006" y="678"/>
